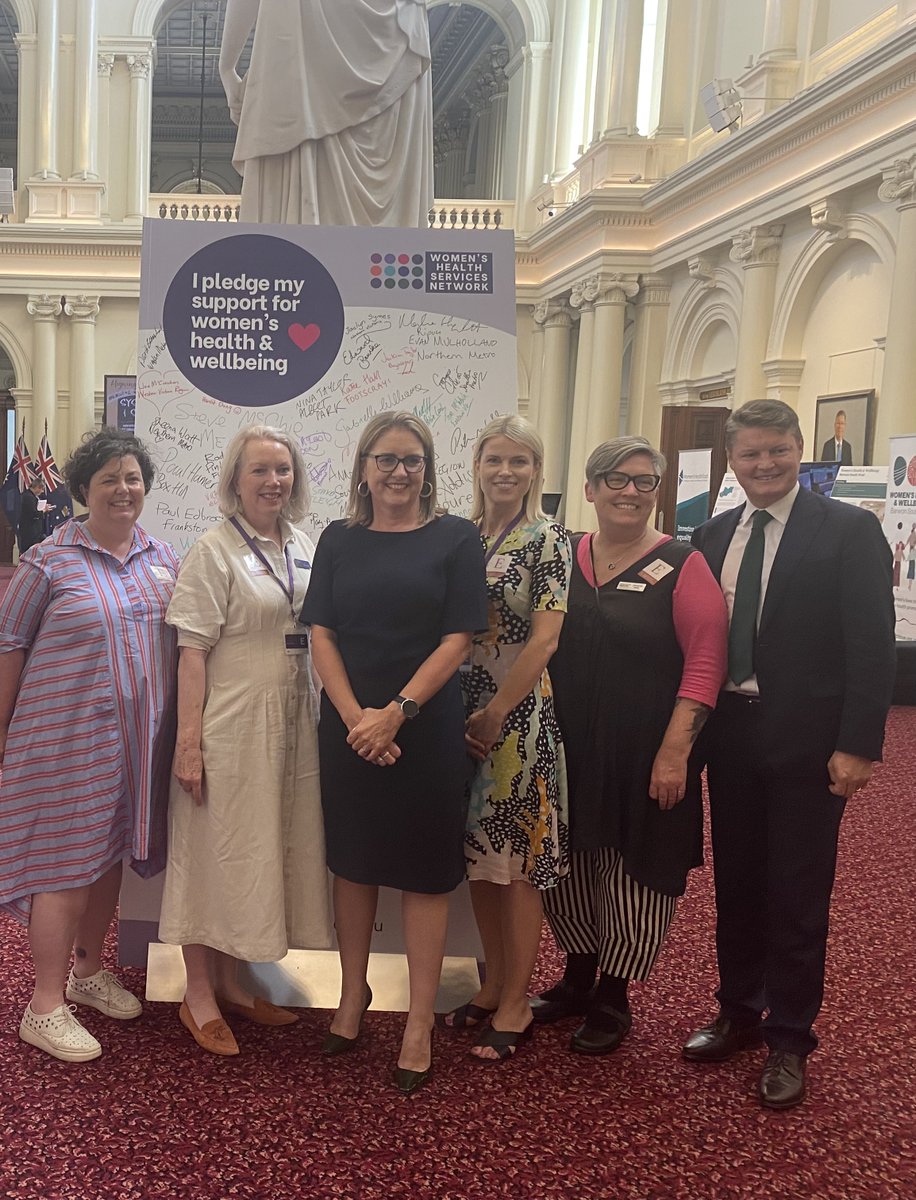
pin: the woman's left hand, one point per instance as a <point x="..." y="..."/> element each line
<point x="482" y="731"/>
<point x="372" y="737"/>
<point x="669" y="778"/>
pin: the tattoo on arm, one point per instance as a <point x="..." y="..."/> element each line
<point x="700" y="713"/>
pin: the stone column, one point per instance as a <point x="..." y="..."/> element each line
<point x="603" y="64"/>
<point x="139" y="125"/>
<point x="780" y="30"/>
<point x="499" y="104"/>
<point x="556" y="318"/>
<point x="536" y="366"/>
<point x="649" y="337"/>
<point x="85" y="93"/>
<point x="624" y="82"/>
<point x="46" y="166"/>
<point x="783" y="376"/>
<point x="570" y="108"/>
<point x="674" y="104"/>
<point x="582" y="299"/>
<point x="607" y="359"/>
<point x="82" y="311"/>
<point x="44" y="311"/>
<point x="102" y="118"/>
<point x="895" y="409"/>
<point x="757" y="249"/>
<point x="531" y="154"/>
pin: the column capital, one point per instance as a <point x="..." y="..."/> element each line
<point x="44" y="307"/>
<point x="783" y="372"/>
<point x="82" y="309"/>
<point x="553" y="313"/>
<point x="829" y="215"/>
<point x="585" y="292"/>
<point x="105" y="65"/>
<point x="898" y="182"/>
<point x="757" y="246"/>
<point x="617" y="288"/>
<point x="139" y="65"/>
<point x="653" y="289"/>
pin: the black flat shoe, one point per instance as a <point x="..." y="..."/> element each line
<point x="336" y="1043"/>
<point x="559" y="1002"/>
<point x="603" y="1030"/>
<point x="408" y="1082"/>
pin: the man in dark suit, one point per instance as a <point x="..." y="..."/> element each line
<point x="837" y="449"/>
<point x="800" y="721"/>
<point x="31" y="529"/>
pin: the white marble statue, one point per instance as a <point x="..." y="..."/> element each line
<point x="334" y="112"/>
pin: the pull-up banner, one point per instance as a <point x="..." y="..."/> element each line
<point x="315" y="330"/>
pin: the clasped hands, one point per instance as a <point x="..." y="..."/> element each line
<point x="482" y="731"/>
<point x="372" y="732"/>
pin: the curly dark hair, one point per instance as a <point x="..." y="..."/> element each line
<point x="95" y="450"/>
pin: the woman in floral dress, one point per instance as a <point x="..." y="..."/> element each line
<point x="516" y="839"/>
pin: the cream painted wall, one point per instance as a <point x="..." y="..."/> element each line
<point x="715" y="352"/>
<point x="845" y="16"/>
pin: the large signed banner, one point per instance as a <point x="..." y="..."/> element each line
<point x="315" y="330"/>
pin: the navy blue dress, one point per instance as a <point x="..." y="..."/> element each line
<point x="390" y="598"/>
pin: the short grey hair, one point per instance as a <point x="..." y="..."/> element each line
<point x="298" y="503"/>
<point x="762" y="414"/>
<point x="609" y="456"/>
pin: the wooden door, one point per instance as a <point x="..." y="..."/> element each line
<point x="689" y="427"/>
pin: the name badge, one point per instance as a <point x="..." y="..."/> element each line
<point x="255" y="566"/>
<point x="630" y="587"/>
<point x="656" y="571"/>
<point x="296" y="643"/>
<point x="164" y="574"/>
<point x="303" y="563"/>
<point x="498" y="565"/>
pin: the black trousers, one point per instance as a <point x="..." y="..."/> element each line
<point x="774" y="839"/>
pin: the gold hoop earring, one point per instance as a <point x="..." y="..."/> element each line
<point x="359" y="488"/>
<point x="427" y="490"/>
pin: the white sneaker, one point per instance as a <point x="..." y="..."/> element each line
<point x="103" y="992"/>
<point x="59" y="1034"/>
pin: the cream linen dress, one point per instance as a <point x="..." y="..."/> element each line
<point x="246" y="869"/>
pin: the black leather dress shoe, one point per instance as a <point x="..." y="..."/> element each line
<point x="559" y="1002"/>
<point x="603" y="1031"/>
<point x="782" y="1083"/>
<point x="721" y="1040"/>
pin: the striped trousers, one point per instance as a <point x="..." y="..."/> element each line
<point x="598" y="909"/>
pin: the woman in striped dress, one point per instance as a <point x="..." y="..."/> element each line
<point x="86" y="663"/>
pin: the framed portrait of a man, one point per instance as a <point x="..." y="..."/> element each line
<point x="844" y="428"/>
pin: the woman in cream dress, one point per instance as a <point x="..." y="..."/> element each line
<point x="246" y="877"/>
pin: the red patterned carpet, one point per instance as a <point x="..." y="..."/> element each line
<point x="154" y="1117"/>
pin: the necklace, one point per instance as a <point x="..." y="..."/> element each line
<point x="626" y="553"/>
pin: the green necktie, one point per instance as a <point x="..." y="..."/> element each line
<point x="742" y="632"/>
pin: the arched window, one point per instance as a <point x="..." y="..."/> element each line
<point x="186" y="88"/>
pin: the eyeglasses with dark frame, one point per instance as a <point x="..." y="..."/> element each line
<point x="618" y="480"/>
<point x="387" y="463"/>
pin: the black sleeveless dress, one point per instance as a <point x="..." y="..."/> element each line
<point x="615" y="675"/>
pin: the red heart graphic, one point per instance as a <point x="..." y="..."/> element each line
<point x="304" y="336"/>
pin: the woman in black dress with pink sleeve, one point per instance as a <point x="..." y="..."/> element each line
<point x="641" y="658"/>
<point x="396" y="592"/>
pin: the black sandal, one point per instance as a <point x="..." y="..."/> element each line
<point x="467" y="1016"/>
<point x="504" y="1041"/>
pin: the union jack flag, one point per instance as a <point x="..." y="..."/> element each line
<point x="46" y="467"/>
<point x="22" y="464"/>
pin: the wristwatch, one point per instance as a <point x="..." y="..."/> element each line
<point x="409" y="708"/>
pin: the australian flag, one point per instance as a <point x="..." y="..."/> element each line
<point x="60" y="502"/>
<point x="18" y="478"/>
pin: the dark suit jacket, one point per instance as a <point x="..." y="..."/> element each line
<point x="31" y="528"/>
<point x="828" y="454"/>
<point x="825" y="658"/>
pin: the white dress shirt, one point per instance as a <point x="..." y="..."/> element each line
<point x="772" y="536"/>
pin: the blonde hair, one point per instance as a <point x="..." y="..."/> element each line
<point x="298" y="503"/>
<point x="517" y="429"/>
<point x="359" y="508"/>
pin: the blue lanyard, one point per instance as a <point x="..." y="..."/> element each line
<point x="265" y="561"/>
<point x="497" y="544"/>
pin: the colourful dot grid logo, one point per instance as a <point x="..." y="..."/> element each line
<point x="396" y="270"/>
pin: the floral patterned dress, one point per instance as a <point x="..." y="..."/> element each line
<point x="517" y="820"/>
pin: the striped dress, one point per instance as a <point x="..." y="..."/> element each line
<point x="100" y="661"/>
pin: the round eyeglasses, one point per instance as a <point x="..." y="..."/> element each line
<point x="386" y="463"/>
<point x="618" y="480"/>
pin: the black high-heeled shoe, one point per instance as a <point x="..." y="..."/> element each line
<point x="406" y="1081"/>
<point x="336" y="1043"/>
